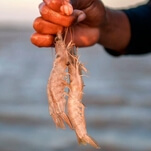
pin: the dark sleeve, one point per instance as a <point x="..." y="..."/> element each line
<point x="140" y="22"/>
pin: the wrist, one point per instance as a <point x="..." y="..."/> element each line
<point x="115" y="32"/>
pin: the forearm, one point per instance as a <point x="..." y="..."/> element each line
<point x="115" y="33"/>
<point x="129" y="32"/>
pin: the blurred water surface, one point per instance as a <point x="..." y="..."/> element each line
<point x="117" y="98"/>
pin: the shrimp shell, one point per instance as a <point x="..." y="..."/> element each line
<point x="57" y="83"/>
<point x="75" y="106"/>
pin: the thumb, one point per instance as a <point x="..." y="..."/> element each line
<point x="79" y="15"/>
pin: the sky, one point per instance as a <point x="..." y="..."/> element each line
<point x="25" y="11"/>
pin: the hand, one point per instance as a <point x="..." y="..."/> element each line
<point x="86" y="17"/>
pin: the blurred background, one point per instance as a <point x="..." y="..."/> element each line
<point x="117" y="93"/>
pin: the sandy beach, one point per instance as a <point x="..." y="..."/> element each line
<point x="117" y="98"/>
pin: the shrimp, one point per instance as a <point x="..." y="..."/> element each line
<point x="75" y="106"/>
<point x="57" y="83"/>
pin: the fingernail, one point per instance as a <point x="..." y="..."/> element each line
<point x="43" y="9"/>
<point x="41" y="5"/>
<point x="81" y="17"/>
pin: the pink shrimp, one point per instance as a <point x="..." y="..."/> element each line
<point x="57" y="83"/>
<point x="75" y="106"/>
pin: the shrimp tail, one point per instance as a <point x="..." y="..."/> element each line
<point x="60" y="118"/>
<point x="65" y="118"/>
<point x="86" y="139"/>
<point x="57" y="113"/>
<point x="58" y="121"/>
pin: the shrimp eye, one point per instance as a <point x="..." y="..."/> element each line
<point x="68" y="63"/>
<point x="57" y="56"/>
<point x="56" y="39"/>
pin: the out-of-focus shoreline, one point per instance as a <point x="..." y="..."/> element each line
<point x="7" y="27"/>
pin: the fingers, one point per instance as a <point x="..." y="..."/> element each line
<point x="42" y="40"/>
<point x="49" y="25"/>
<point x="45" y="27"/>
<point x="55" y="17"/>
<point x="45" y="32"/>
